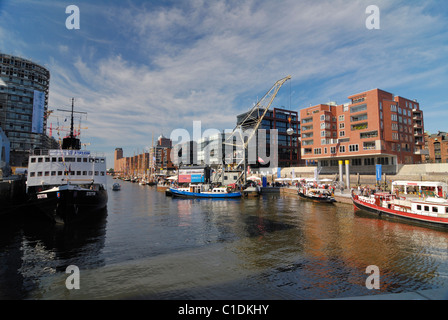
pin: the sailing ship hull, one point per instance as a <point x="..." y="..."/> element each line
<point x="401" y="215"/>
<point x="322" y="199"/>
<point x="70" y="205"/>
<point x="204" y="195"/>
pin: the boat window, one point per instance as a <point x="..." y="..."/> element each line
<point x="33" y="160"/>
<point x="78" y="173"/>
<point x="53" y="159"/>
<point x="102" y="160"/>
<point x="32" y="174"/>
<point x="39" y="174"/>
<point x="419" y="207"/>
<point x="78" y="159"/>
<point x="47" y="173"/>
<point x="446" y="210"/>
<point x="60" y="159"/>
<point x="84" y="173"/>
<point x="91" y="160"/>
<point x="84" y="160"/>
<point x="59" y="173"/>
<point x="39" y="159"/>
<point x="97" y="160"/>
<point x="90" y="173"/>
<point x="47" y="159"/>
<point x="435" y="209"/>
<point x="53" y="173"/>
<point x="426" y="208"/>
<point x="96" y="173"/>
<point x="102" y="173"/>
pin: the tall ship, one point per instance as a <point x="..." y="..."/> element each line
<point x="67" y="184"/>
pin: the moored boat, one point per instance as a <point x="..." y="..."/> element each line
<point x="116" y="187"/>
<point x="316" y="195"/>
<point x="67" y="184"/>
<point x="430" y="210"/>
<point x="204" y="191"/>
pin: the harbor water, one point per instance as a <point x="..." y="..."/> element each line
<point x="150" y="246"/>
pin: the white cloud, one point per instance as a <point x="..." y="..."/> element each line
<point x="210" y="60"/>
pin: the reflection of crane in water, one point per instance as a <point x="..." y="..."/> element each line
<point x="252" y="121"/>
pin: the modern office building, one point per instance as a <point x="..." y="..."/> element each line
<point x="288" y="144"/>
<point x="375" y="127"/>
<point x="24" y="89"/>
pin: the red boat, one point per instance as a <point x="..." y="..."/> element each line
<point x="432" y="210"/>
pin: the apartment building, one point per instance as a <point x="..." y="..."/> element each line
<point x="437" y="147"/>
<point x="374" y="127"/>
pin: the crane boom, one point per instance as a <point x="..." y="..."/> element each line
<point x="255" y="115"/>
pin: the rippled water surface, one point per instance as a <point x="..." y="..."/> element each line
<point x="151" y="246"/>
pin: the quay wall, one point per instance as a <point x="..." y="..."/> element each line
<point x="12" y="193"/>
<point x="416" y="172"/>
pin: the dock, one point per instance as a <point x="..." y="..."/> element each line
<point x="12" y="193"/>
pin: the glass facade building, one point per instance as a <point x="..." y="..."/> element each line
<point x="24" y="87"/>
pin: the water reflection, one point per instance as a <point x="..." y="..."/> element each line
<point x="274" y="247"/>
<point x="33" y="249"/>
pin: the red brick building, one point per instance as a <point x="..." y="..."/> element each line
<point x="375" y="127"/>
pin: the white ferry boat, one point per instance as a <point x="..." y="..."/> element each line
<point x="67" y="184"/>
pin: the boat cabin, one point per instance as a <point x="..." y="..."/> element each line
<point x="424" y="188"/>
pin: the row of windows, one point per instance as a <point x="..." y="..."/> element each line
<point x="66" y="173"/>
<point x="68" y="159"/>
<point x="359" y="162"/>
<point x="433" y="208"/>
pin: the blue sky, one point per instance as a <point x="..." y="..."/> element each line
<point x="144" y="68"/>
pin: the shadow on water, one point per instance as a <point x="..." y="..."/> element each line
<point x="32" y="248"/>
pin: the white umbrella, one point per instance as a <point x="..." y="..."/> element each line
<point x="253" y="178"/>
<point x="172" y="178"/>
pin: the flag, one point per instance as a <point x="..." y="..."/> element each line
<point x="260" y="160"/>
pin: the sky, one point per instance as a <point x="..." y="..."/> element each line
<point x="142" y="69"/>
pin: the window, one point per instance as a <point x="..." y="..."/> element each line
<point x="435" y="209"/>
<point x="342" y="125"/>
<point x="393" y="108"/>
<point x="419" y="207"/>
<point x="341" y="118"/>
<point x="341" y="149"/>
<point x="342" y="133"/>
<point x="426" y="208"/>
<point x="318" y="151"/>
<point x="394" y="117"/>
<point x="353" y="148"/>
<point x="332" y="150"/>
<point x="322" y="117"/>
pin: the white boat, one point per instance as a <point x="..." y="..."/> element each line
<point x="67" y="184"/>
<point x="316" y="194"/>
<point x="429" y="210"/>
